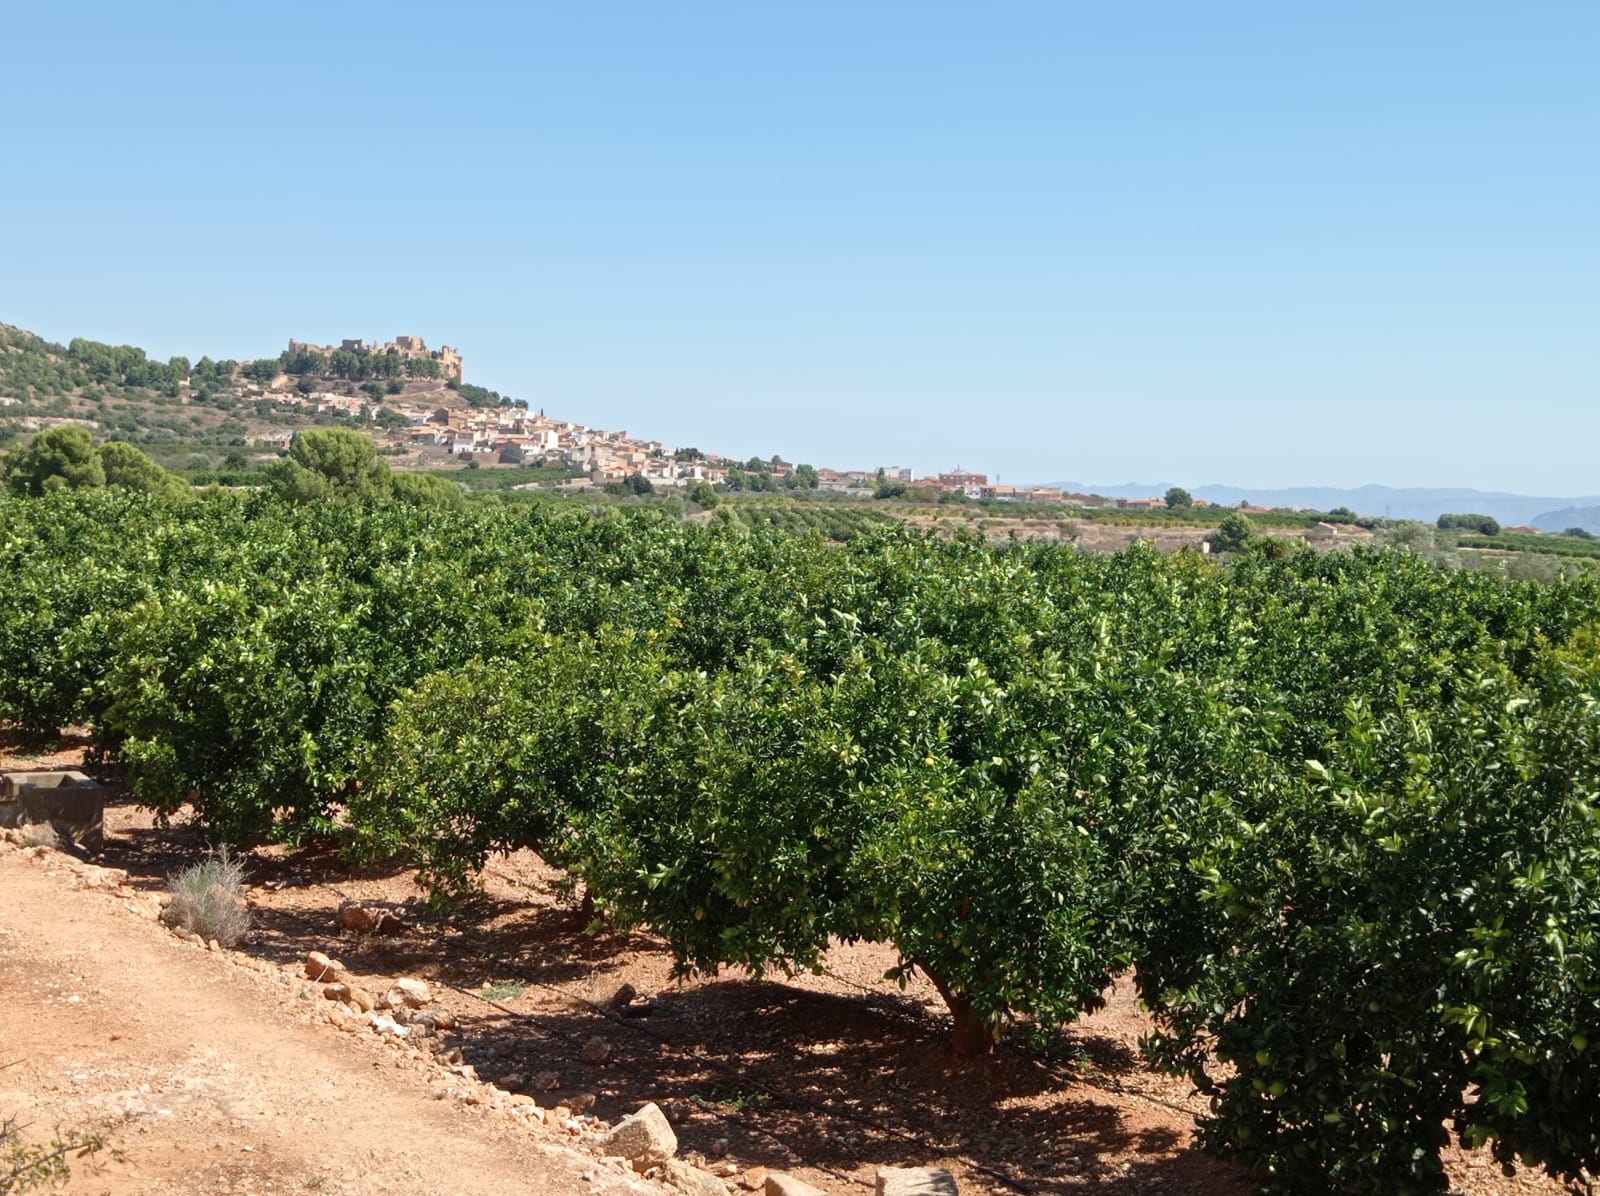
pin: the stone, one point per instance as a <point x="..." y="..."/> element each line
<point x="363" y="1000"/>
<point x="644" y="1138"/>
<point x="677" y="1109"/>
<point x="754" y="1179"/>
<point x="410" y="993"/>
<point x="621" y="997"/>
<point x="718" y="1148"/>
<point x="336" y="992"/>
<point x="93" y="877"/>
<point x="548" y="1081"/>
<point x="357" y="917"/>
<point x="781" y="1183"/>
<point x="320" y="967"/>
<point x="580" y="1102"/>
<point x="513" y="1081"/>
<point x="384" y="1024"/>
<point x="915" y="1181"/>
<point x="437" y="1019"/>
<point x="596" y="1050"/>
<point x="691" y="1180"/>
<point x="389" y="923"/>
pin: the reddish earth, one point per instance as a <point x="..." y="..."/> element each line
<point x="221" y="1072"/>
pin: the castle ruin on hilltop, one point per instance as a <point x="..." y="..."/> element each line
<point x="405" y="347"/>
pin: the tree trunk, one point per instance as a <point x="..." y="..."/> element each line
<point x="969" y="1036"/>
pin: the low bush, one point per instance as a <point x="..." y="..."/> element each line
<point x="207" y="900"/>
<point x="25" y="1166"/>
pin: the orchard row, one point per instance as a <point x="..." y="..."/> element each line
<point x="1334" y="812"/>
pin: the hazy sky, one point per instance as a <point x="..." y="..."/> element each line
<point x="1254" y="243"/>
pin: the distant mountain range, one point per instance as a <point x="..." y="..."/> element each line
<point x="1546" y="513"/>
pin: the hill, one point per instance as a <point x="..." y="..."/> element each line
<point x="1588" y="518"/>
<point x="1390" y="502"/>
<point x="210" y="412"/>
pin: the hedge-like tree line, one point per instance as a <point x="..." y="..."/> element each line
<point x="1335" y="812"/>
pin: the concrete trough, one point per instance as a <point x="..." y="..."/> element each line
<point x="69" y="801"/>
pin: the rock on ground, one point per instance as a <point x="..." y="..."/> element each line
<point x="320" y="967"/>
<point x="407" y="994"/>
<point x="691" y="1180"/>
<point x="780" y="1183"/>
<point x="915" y="1181"/>
<point x="644" y="1138"/>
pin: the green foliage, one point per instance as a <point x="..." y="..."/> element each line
<point x="1565" y="544"/>
<point x="25" y="1166"/>
<point x="427" y="489"/>
<point x="127" y="466"/>
<point x="477" y="396"/>
<point x="703" y="495"/>
<point x="834" y="521"/>
<point x="1335" y="810"/>
<point x="308" y="363"/>
<point x="1484" y="525"/>
<point x="328" y="463"/>
<point x="60" y="458"/>
<point x="1233" y="534"/>
<point x="347" y="364"/>
<point x="1177" y="496"/>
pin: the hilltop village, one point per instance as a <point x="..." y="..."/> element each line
<point x="437" y="420"/>
<point x="418" y="407"/>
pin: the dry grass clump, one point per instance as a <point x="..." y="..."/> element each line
<point x="208" y="900"/>
<point x="41" y="834"/>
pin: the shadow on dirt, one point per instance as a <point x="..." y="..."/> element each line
<point x="781" y="1075"/>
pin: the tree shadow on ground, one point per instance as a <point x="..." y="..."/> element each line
<point x="785" y="1076"/>
<point x="792" y="1078"/>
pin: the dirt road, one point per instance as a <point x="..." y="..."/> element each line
<point x="211" y="1073"/>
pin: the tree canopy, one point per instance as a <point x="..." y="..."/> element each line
<point x="331" y="463"/>
<point x="67" y="458"/>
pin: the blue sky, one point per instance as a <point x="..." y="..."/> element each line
<point x="1253" y="243"/>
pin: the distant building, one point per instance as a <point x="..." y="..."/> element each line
<point x="961" y="479"/>
<point x="407" y="348"/>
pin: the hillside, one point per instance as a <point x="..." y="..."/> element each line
<point x="206" y="413"/>
<point x="1389" y="502"/>
<point x="1586" y="517"/>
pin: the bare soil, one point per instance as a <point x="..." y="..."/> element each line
<point x="227" y="1071"/>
